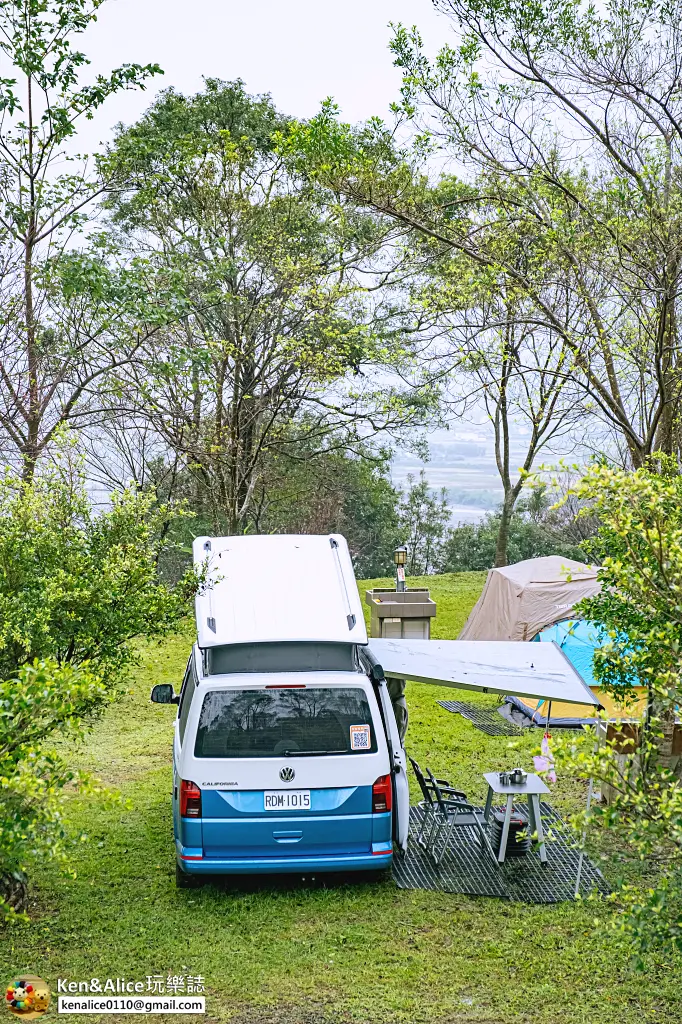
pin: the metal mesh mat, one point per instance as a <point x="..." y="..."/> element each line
<point x="465" y="868"/>
<point x="486" y="720"/>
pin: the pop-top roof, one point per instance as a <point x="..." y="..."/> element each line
<point x="277" y="588"/>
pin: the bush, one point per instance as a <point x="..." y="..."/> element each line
<point x="77" y="589"/>
<point x="639" y="545"/>
<point x="43" y="699"/>
<point x="77" y="586"/>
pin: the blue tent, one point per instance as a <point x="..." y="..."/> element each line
<point x="578" y="639"/>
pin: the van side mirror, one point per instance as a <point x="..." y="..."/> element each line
<point x="163" y="693"/>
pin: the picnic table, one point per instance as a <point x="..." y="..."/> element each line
<point x="531" y="789"/>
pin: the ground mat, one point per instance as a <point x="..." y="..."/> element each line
<point x="487" y="720"/>
<point x="466" y="869"/>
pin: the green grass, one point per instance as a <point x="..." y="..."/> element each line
<point x="302" y="955"/>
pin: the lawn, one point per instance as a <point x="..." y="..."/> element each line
<point x="305" y="954"/>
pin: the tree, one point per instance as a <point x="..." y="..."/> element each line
<point x="495" y="356"/>
<point x="79" y="587"/>
<point x="423" y="517"/>
<point x="51" y="356"/>
<point x="334" y="492"/>
<point x="535" y="530"/>
<point x="479" y="329"/>
<point x="572" y="115"/>
<point x="639" y="543"/>
<point x="276" y="350"/>
<point x="315" y="491"/>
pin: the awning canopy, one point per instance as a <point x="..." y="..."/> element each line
<point x="489" y="666"/>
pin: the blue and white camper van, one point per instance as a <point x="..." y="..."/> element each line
<point x="286" y="755"/>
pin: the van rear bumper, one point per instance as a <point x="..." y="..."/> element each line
<point x="381" y="858"/>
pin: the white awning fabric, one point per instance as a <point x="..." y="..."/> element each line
<point x="489" y="666"/>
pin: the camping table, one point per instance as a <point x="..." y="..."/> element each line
<point x="531" y="789"/>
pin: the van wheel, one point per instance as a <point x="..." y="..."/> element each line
<point x="185" y="881"/>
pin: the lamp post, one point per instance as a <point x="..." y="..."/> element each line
<point x="400" y="559"/>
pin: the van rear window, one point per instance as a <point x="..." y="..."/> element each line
<point x="310" y="721"/>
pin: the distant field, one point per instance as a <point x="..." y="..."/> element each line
<point x="303" y="954"/>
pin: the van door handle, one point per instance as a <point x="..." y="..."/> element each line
<point x="287" y="837"/>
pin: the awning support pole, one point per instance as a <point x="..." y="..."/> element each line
<point x="583" y="838"/>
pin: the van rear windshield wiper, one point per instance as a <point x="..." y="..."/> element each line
<point x="311" y="753"/>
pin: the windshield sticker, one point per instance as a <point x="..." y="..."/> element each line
<point x="359" y="737"/>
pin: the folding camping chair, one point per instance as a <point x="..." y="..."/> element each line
<point x="452" y="814"/>
<point x="429" y="805"/>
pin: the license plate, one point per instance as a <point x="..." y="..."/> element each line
<point x="287" y="800"/>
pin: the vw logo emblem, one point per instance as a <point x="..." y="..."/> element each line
<point x="286" y="774"/>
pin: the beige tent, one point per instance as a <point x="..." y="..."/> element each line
<point x="520" y="600"/>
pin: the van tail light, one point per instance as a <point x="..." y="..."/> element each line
<point x="382" y="795"/>
<point x="190" y="800"/>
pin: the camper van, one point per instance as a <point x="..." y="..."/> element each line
<point x="286" y="755"/>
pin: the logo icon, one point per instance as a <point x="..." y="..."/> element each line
<point x="287" y="774"/>
<point x="27" y="996"/>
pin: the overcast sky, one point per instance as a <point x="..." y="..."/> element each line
<point x="300" y="51"/>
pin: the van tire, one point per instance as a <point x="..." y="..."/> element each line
<point x="185" y="881"/>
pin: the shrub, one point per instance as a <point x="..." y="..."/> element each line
<point x="77" y="589"/>
<point x="639" y="545"/>
<point x="40" y="701"/>
<point x="81" y="586"/>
